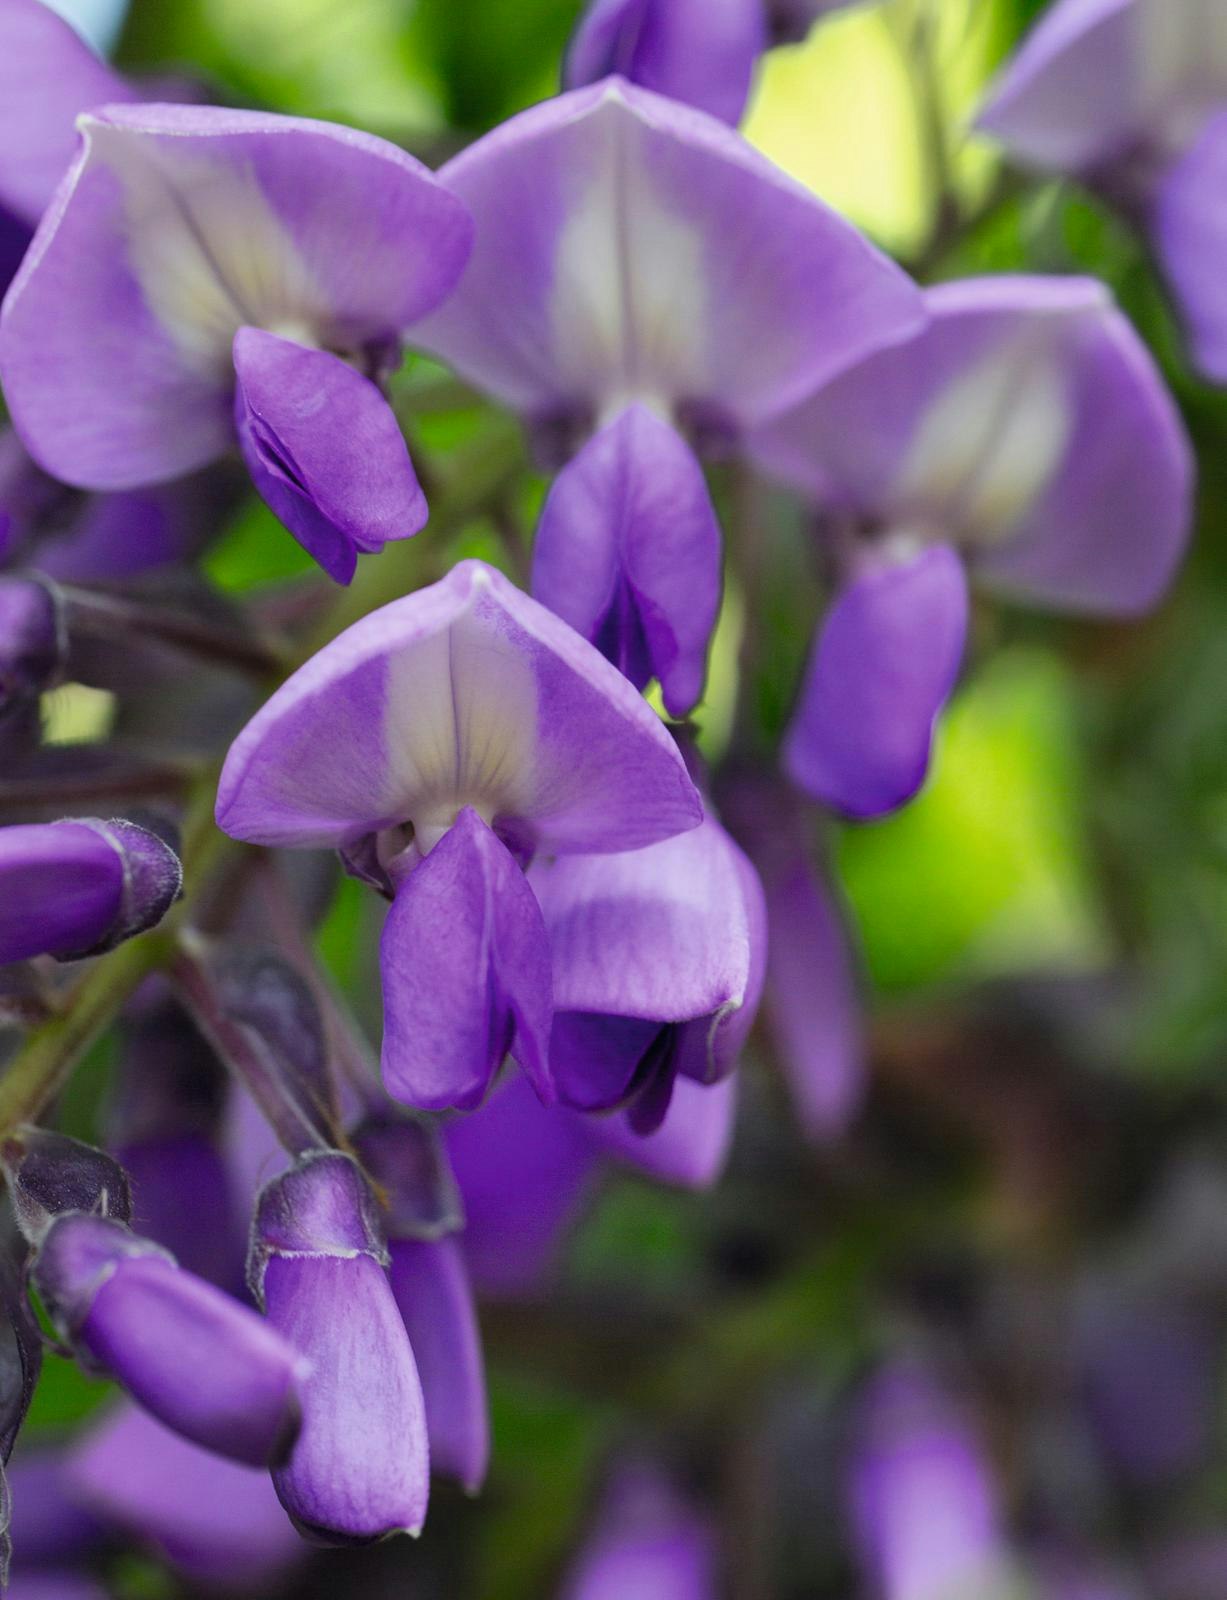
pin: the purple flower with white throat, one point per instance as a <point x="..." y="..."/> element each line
<point x="1129" y="96"/>
<point x="439" y="743"/>
<point x="79" y="887"/>
<point x="252" y="275"/>
<point x="360" y="1468"/>
<point x="1024" y="437"/>
<point x="672" y="288"/>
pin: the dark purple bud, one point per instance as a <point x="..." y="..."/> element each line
<point x="263" y="1020"/>
<point x="204" y="1364"/>
<point x="49" y="1174"/>
<point x="408" y="1161"/>
<point x="33" y="639"/>
<point x="360" y="1469"/>
<point x="76" y="888"/>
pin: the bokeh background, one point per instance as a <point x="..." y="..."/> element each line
<point x="1030" y="1202"/>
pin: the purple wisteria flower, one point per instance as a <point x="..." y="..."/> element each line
<point x="672" y="289"/>
<point x="317" y="1265"/>
<point x="75" y="888"/>
<point x="1025" y="437"/>
<point x="208" y="275"/>
<point x="1128" y="96"/>
<point x="439" y="743"/>
<point x="647" y="1541"/>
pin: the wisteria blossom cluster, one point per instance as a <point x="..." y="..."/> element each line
<point x="271" y="1240"/>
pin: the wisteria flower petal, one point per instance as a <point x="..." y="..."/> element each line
<point x="690" y="1146"/>
<point x="656" y="950"/>
<point x="215" y="1520"/>
<point x="324" y="450"/>
<point x="1027" y="424"/>
<point x="647" y="1541"/>
<point x="701" y="52"/>
<point x="466" y="974"/>
<point x="1189" y="234"/>
<point x="48" y="76"/>
<point x="628" y="552"/>
<point x="431" y="1285"/>
<point x="523" y="1170"/>
<point x="177" y="226"/>
<point x="883" y="664"/>
<point x="660" y="258"/>
<point x="467" y="692"/>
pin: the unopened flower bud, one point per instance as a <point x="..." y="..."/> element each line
<point x="360" y="1469"/>
<point x="49" y="1174"/>
<point x="76" y="888"/>
<point x="202" y="1363"/>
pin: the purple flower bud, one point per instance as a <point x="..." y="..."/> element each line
<point x="203" y="1363"/>
<point x="360" y="1469"/>
<point x="49" y="1174"/>
<point x="648" y="1541"/>
<point x="33" y="641"/>
<point x="76" y="888"/>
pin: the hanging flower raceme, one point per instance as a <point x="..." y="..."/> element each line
<point x="76" y="888"/>
<point x="1024" y="436"/>
<point x="439" y="743"/>
<point x="672" y="288"/>
<point x="205" y="276"/>
<point x="1131" y="97"/>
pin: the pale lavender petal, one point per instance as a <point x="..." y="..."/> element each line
<point x="883" y="665"/>
<point x="692" y="1143"/>
<point x="465" y="693"/>
<point x="48" y="75"/>
<point x="647" y="1541"/>
<point x="465" y="961"/>
<point x="628" y="552"/>
<point x="214" y="1520"/>
<point x="658" y="257"/>
<point x="1073" y="97"/>
<point x="523" y="1170"/>
<point x="431" y="1285"/>
<point x="177" y="226"/>
<point x="1190" y="235"/>
<point x="701" y="52"/>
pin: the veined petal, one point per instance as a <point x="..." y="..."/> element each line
<point x="466" y="974"/>
<point x="658" y="256"/>
<point x="431" y="1285"/>
<point x="884" y="662"/>
<point x="177" y="226"/>
<point x="324" y="449"/>
<point x="701" y="52"/>
<point x="628" y="552"/>
<point x="691" y="1145"/>
<point x="464" y="693"/>
<point x="48" y="76"/>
